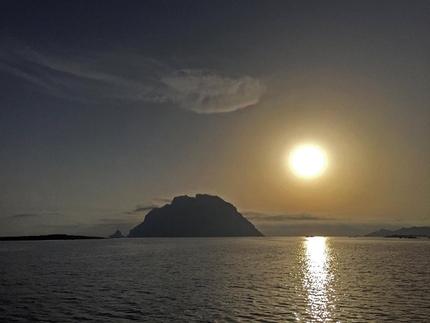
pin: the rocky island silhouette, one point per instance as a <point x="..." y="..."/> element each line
<point x="403" y="232"/>
<point x="200" y="216"/>
<point x="116" y="235"/>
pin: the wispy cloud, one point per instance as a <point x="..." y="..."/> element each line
<point x="141" y="208"/>
<point x="124" y="77"/>
<point x="32" y="215"/>
<point x="122" y="220"/>
<point x="255" y="216"/>
<point x="206" y="92"/>
<point x="161" y="200"/>
<point x="149" y="204"/>
<point x="23" y="215"/>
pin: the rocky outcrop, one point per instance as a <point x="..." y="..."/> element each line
<point x="202" y="216"/>
<point x="116" y="235"/>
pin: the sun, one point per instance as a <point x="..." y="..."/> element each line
<point x="308" y="161"/>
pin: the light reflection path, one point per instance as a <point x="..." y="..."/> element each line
<point x="317" y="279"/>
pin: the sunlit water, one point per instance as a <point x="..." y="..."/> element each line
<point x="216" y="280"/>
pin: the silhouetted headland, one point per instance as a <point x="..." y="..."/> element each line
<point x="116" y="235"/>
<point x="49" y="237"/>
<point x="202" y="216"/>
<point x="405" y="232"/>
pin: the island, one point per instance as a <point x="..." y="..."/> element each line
<point x="401" y="233"/>
<point x="200" y="216"/>
<point x="49" y="237"/>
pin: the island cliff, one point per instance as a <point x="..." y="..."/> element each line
<point x="202" y="216"/>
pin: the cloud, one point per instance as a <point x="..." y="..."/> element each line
<point x="255" y="216"/>
<point x="305" y="224"/>
<point x="23" y="215"/>
<point x="30" y="215"/>
<point x="112" y="221"/>
<point x="123" y="77"/>
<point x="144" y="208"/>
<point x="149" y="204"/>
<point x="141" y="208"/>
<point x="162" y="200"/>
<point x="206" y="92"/>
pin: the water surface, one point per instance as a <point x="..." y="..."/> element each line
<point x="216" y="280"/>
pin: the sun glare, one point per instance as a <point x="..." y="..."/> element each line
<point x="308" y="161"/>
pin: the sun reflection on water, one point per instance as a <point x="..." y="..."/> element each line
<point x="317" y="279"/>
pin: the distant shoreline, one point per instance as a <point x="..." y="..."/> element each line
<point x="49" y="237"/>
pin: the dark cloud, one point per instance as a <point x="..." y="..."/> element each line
<point x="254" y="216"/>
<point x="163" y="200"/>
<point x="153" y="203"/>
<point x="28" y="215"/>
<point x="144" y="208"/>
<point x="304" y="224"/>
<point x="141" y="208"/>
<point x="317" y="229"/>
<point x="24" y="215"/>
<point x="115" y="220"/>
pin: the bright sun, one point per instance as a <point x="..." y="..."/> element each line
<point x="308" y="161"/>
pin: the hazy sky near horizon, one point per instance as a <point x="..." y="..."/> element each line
<point x="111" y="108"/>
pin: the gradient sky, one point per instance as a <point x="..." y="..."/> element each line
<point x="110" y="108"/>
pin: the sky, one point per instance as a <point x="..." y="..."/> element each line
<point x="111" y="108"/>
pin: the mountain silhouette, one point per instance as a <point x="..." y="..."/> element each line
<point x="412" y="231"/>
<point x="202" y="216"/>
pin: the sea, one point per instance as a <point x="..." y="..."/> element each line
<point x="291" y="279"/>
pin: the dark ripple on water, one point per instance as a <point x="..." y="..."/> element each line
<point x="216" y="280"/>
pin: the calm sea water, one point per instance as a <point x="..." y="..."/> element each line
<point x="216" y="280"/>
